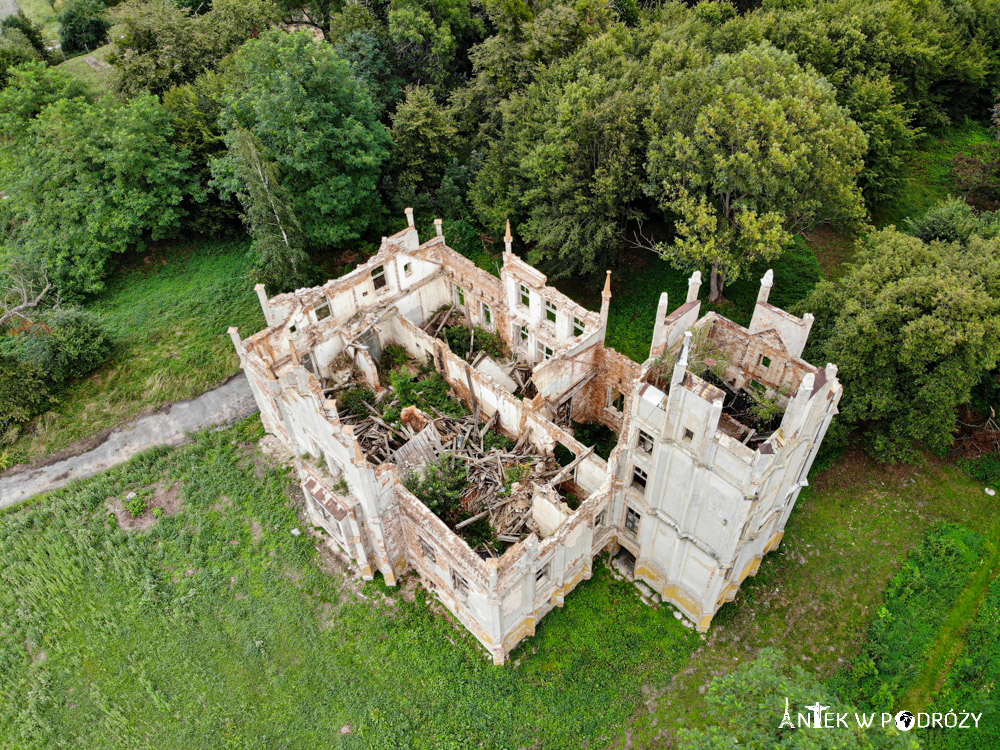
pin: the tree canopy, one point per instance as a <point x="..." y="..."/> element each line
<point x="747" y="151"/>
<point x="315" y="120"/>
<point x="913" y="326"/>
<point x="159" y="44"/>
<point x="86" y="179"/>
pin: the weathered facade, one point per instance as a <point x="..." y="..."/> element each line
<point x="696" y="496"/>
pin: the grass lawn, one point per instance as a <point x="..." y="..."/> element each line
<point x="217" y="628"/>
<point x="94" y="68"/>
<point x="168" y="314"/>
<point x="928" y="178"/>
<point x="45" y="14"/>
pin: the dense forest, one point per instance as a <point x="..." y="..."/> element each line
<point x="711" y="134"/>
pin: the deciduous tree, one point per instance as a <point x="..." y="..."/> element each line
<point x="913" y="327"/>
<point x="83" y="25"/>
<point x="86" y="180"/>
<point x="567" y="166"/>
<point x="279" y="257"/>
<point x="318" y="124"/>
<point x="745" y="152"/>
<point x="159" y="45"/>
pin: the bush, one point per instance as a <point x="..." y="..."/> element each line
<point x="82" y="26"/>
<point x="31" y="31"/>
<point x="67" y="343"/>
<point x="427" y="395"/>
<point x="15" y="49"/>
<point x="24" y="392"/>
<point x="460" y="338"/>
<point x="354" y="401"/>
<point x="393" y="355"/>
<point x="951" y="220"/>
<point x="977" y="175"/>
<point x="136" y="505"/>
<point x="603" y="438"/>
<point x="985" y="469"/>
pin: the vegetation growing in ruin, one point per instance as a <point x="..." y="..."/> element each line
<point x="602" y="437"/>
<point x="439" y="485"/>
<point x="354" y="400"/>
<point x="464" y="341"/>
<point x="540" y="113"/>
<point x="429" y="393"/>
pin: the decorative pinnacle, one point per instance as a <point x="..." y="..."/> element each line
<point x="607" y="285"/>
<point x="508" y="237"/>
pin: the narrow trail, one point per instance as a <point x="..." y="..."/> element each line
<point x="228" y="403"/>
<point x="950" y="639"/>
<point x="8" y="8"/>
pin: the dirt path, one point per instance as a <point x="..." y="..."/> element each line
<point x="8" y="8"/>
<point x="229" y="402"/>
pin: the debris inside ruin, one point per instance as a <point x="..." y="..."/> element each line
<point x="501" y="473"/>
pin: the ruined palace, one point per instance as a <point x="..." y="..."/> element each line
<point x="699" y="455"/>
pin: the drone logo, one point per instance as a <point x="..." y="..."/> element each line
<point x="904" y="721"/>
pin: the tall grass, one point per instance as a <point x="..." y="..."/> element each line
<point x="971" y="686"/>
<point x="217" y="628"/>
<point x="168" y="315"/>
<point x="917" y="602"/>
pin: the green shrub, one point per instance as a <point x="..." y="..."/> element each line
<point x="67" y="343"/>
<point x="460" y="339"/>
<point x="440" y="485"/>
<point x="563" y="455"/>
<point x="136" y="506"/>
<point x="427" y="394"/>
<point x="603" y="438"/>
<point x="985" y="468"/>
<point x="496" y="439"/>
<point x="354" y="400"/>
<point x="157" y="512"/>
<point x="31" y="31"/>
<point x="24" y="392"/>
<point x="950" y="220"/>
<point x="83" y="26"/>
<point x="393" y="356"/>
<point x="917" y="600"/>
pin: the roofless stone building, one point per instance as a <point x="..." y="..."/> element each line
<point x="716" y="433"/>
